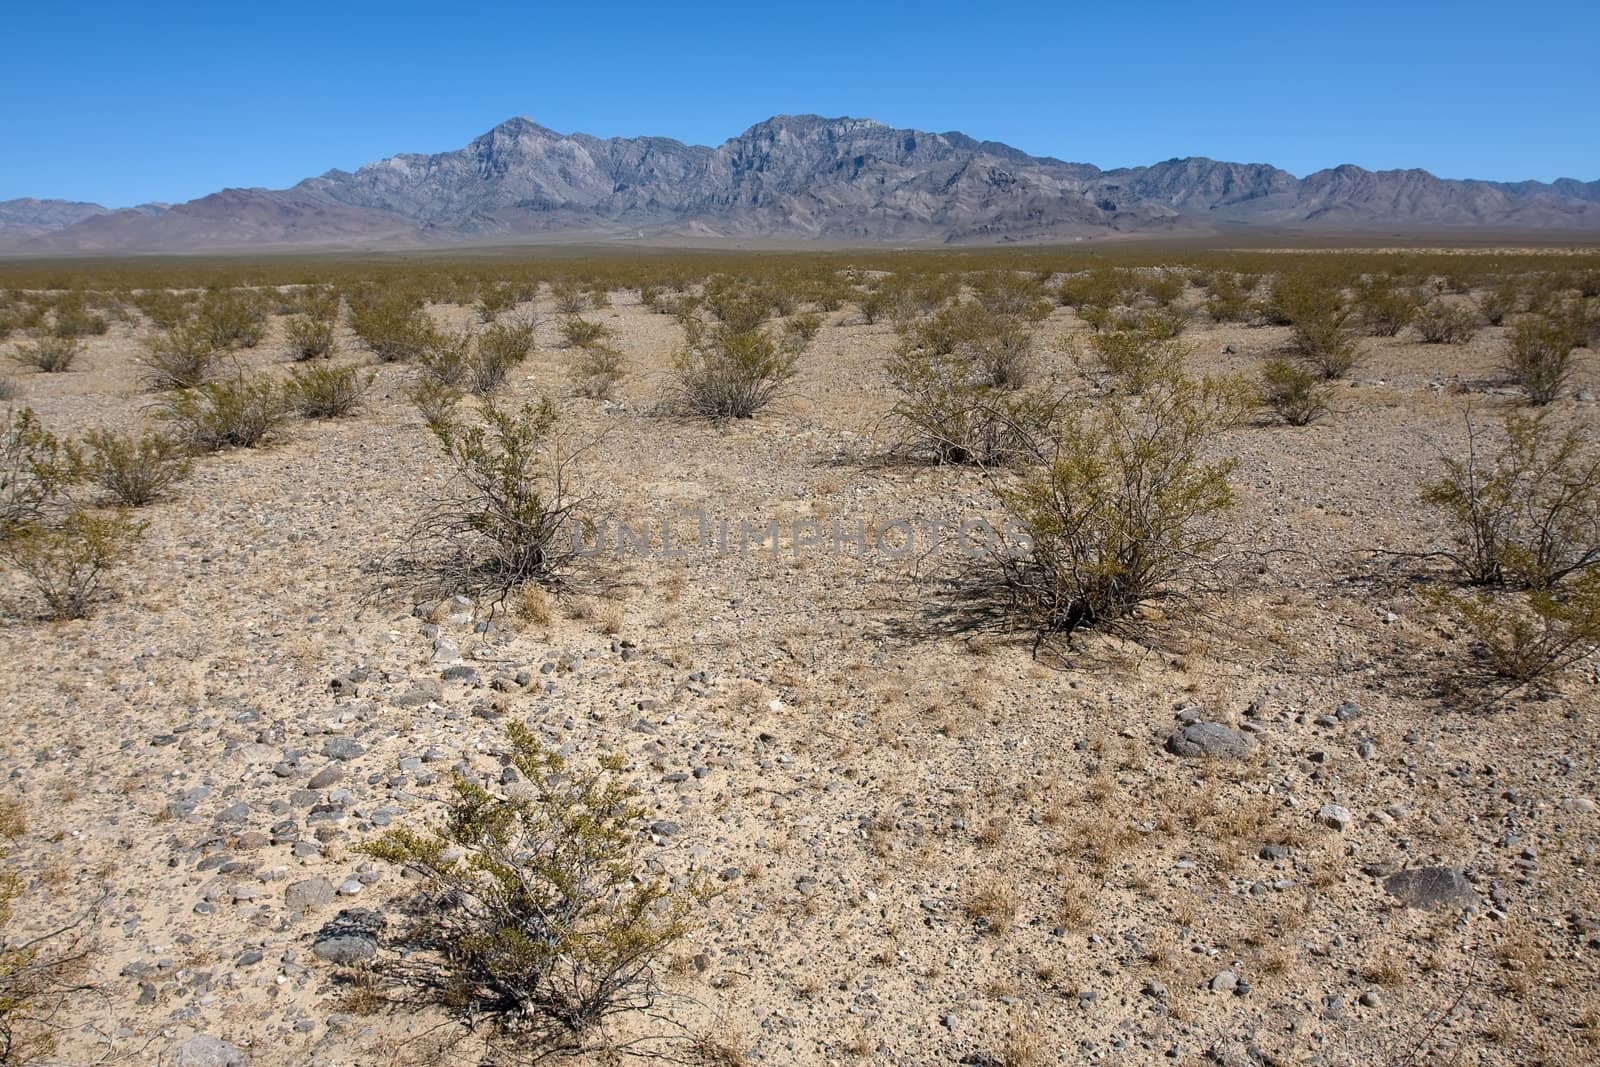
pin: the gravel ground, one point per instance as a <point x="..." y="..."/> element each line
<point x="932" y="846"/>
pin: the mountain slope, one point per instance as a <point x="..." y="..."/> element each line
<point x="790" y="177"/>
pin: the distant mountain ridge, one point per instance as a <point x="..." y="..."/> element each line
<point x="793" y="178"/>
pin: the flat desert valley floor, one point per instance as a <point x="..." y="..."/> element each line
<point x="929" y="844"/>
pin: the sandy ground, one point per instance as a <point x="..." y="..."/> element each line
<point x="932" y="847"/>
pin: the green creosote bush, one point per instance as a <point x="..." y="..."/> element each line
<point x="48" y="353"/>
<point x="36" y="471"/>
<point x="1441" y="323"/>
<point x="320" y="392"/>
<point x="504" y="526"/>
<point x="135" y="469"/>
<point x="722" y="374"/>
<point x="951" y="411"/>
<point x="578" y="332"/>
<point x="1385" y="305"/>
<point x="477" y="362"/>
<point x="311" y="338"/>
<point x="1528" y="635"/>
<point x="67" y="563"/>
<point x="1294" y="393"/>
<point x="1502" y="302"/>
<point x="1526" y="515"/>
<point x="164" y="308"/>
<point x="231" y="318"/>
<point x="434" y="401"/>
<point x="180" y="357"/>
<point x="1325" y="338"/>
<point x="800" y="331"/>
<point x="541" y="917"/>
<point x="1230" y="297"/>
<point x="1538" y="356"/>
<point x="1126" y="512"/>
<point x="596" y="371"/>
<point x="997" y="346"/>
<point x="1133" y="358"/>
<point x="230" y="413"/>
<point x="395" y="327"/>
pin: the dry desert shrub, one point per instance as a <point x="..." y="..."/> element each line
<point x="67" y="563"/>
<point x="36" y="471"/>
<point x="311" y="338"/>
<point x="231" y="413"/>
<point x="394" y="326"/>
<point x="504" y="527"/>
<point x="179" y="357"/>
<point x="1125" y="513"/>
<point x="1132" y="358"/>
<point x="48" y="353"/>
<point x="994" y="905"/>
<point x="135" y="469"/>
<point x="538" y="912"/>
<point x="1385" y="305"/>
<point x="1295" y="395"/>
<point x="948" y="409"/>
<point x="1526" y="519"/>
<point x="596" y="371"/>
<point x="327" y="392"/>
<point x="579" y="332"/>
<point x="1538" y="356"/>
<point x="231" y="318"/>
<point x="1442" y="323"/>
<point x="36" y="974"/>
<point x="723" y="373"/>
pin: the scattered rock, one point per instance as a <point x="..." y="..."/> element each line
<point x="342" y="748"/>
<point x="1209" y="739"/>
<point x="207" y="1051"/>
<point x="1335" y="815"/>
<point x="311" y="893"/>
<point x="1431" y="888"/>
<point x="350" y="937"/>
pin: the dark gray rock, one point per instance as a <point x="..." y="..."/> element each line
<point x="343" y="748"/>
<point x="350" y="937"/>
<point x="1432" y="888"/>
<point x="327" y="776"/>
<point x="1209" y="739"/>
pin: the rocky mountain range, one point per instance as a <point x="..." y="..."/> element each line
<point x="790" y="179"/>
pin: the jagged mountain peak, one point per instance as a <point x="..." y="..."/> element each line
<point x="791" y="177"/>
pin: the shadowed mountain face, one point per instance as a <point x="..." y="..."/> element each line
<point x="789" y="178"/>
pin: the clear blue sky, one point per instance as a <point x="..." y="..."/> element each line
<point x="123" y="103"/>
